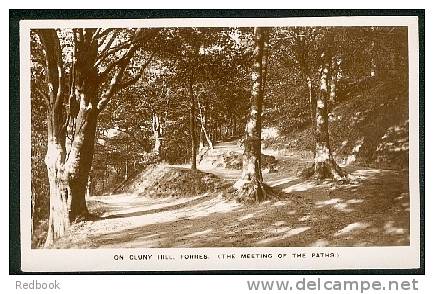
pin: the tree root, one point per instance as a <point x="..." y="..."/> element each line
<point x="328" y="169"/>
<point x="253" y="191"/>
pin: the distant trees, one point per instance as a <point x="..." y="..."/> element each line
<point x="204" y="63"/>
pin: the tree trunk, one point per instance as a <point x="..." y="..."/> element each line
<point x="312" y="101"/>
<point x="79" y="163"/>
<point x="84" y="93"/>
<point x="192" y="125"/>
<point x="250" y="186"/>
<point x="58" y="221"/>
<point x="156" y="129"/>
<point x="203" y="131"/>
<point x="89" y="189"/>
<point x="69" y="157"/>
<point x="373" y="65"/>
<point x="333" y="78"/>
<point x="201" y="144"/>
<point x="234" y="126"/>
<point x="68" y="173"/>
<point x="324" y="164"/>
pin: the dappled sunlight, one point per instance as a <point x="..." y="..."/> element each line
<point x="269" y="133"/>
<point x="394" y="140"/>
<point x="143" y="242"/>
<point x="351" y="228"/>
<point x="328" y="202"/>
<point x="214" y="205"/>
<point x="365" y="173"/>
<point x="279" y="223"/>
<point x="196" y="234"/>
<point x="355" y="201"/>
<point x="278" y="230"/>
<point x="339" y="204"/>
<point x="246" y="217"/>
<point x="343" y="207"/>
<point x="284" y="234"/>
<point x="320" y="243"/>
<point x="145" y="204"/>
<point x="352" y="157"/>
<point x="281" y="203"/>
<point x="304" y="218"/>
<point x="314" y="214"/>
<point x="204" y="208"/>
<point x="307" y="185"/>
<point x="401" y="196"/>
<point x="280" y="182"/>
<point x="392" y="230"/>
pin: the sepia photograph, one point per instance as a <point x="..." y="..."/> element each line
<point x="186" y="144"/>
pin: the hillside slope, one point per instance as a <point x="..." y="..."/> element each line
<point x="368" y="126"/>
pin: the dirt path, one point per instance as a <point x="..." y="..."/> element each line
<point x="371" y="211"/>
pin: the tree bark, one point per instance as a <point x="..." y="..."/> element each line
<point x="324" y="164"/>
<point x="84" y="91"/>
<point x="192" y="125"/>
<point x="156" y="129"/>
<point x="79" y="162"/>
<point x="89" y="186"/>
<point x="333" y="78"/>
<point x="250" y="185"/>
<point x="203" y="131"/>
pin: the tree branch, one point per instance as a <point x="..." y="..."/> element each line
<point x="104" y="52"/>
<point x="54" y="64"/>
<point x="134" y="79"/>
<point x="99" y="33"/>
<point x="138" y="38"/>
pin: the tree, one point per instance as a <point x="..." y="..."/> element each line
<point x="251" y="183"/>
<point x="324" y="165"/>
<point x="96" y="55"/>
<point x="313" y="54"/>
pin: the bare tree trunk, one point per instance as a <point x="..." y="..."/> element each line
<point x="373" y="64"/>
<point x="333" y="77"/>
<point x="203" y="131"/>
<point x="192" y="125"/>
<point x="79" y="162"/>
<point x="312" y="101"/>
<point x="235" y="126"/>
<point x="68" y="173"/>
<point x="324" y="163"/>
<point x="250" y="185"/>
<point x="201" y="144"/>
<point x="58" y="221"/>
<point x="156" y="129"/>
<point x="89" y="189"/>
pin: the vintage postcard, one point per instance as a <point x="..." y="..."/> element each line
<point x="220" y="144"/>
